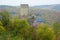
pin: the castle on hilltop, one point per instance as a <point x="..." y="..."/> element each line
<point x="25" y="13"/>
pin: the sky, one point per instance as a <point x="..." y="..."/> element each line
<point x="30" y="2"/>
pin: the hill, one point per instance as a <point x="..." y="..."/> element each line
<point x="53" y="6"/>
<point x="48" y="13"/>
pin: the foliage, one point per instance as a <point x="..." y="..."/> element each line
<point x="56" y="27"/>
<point x="44" y="32"/>
<point x="19" y="29"/>
<point x="5" y="17"/>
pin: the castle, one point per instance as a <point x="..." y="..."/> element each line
<point x="24" y="10"/>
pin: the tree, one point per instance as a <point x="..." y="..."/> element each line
<point x="56" y="27"/>
<point x="2" y="29"/>
<point x="5" y="17"/>
<point x="44" y="32"/>
<point x="21" y="27"/>
<point x="2" y="32"/>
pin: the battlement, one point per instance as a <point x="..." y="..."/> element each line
<point x="24" y="5"/>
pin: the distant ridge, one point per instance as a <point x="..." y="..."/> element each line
<point x="54" y="6"/>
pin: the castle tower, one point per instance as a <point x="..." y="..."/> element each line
<point x="24" y="10"/>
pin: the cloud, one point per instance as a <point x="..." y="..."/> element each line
<point x="30" y="2"/>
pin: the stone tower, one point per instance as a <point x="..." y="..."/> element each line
<point x="24" y="10"/>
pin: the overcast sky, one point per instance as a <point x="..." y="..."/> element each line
<point x="30" y="2"/>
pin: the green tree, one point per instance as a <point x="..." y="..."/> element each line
<point x="56" y="27"/>
<point x="2" y="32"/>
<point x="4" y="17"/>
<point x="44" y="32"/>
<point x="22" y="28"/>
<point x="2" y="29"/>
